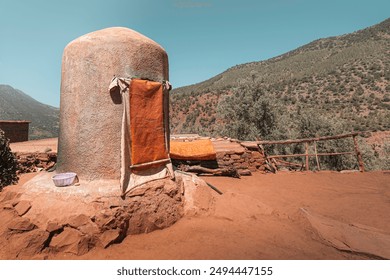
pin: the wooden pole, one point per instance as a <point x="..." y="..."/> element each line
<point x="358" y="154"/>
<point x="307" y="139"/>
<point x="232" y="172"/>
<point x="307" y="155"/>
<point x="315" y="152"/>
<point x="150" y="163"/>
<point x="312" y="155"/>
<point x="269" y="165"/>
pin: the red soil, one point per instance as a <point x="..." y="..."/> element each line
<point x="32" y="146"/>
<point x="259" y="217"/>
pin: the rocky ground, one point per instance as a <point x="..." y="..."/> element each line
<point x="39" y="219"/>
<point x="324" y="215"/>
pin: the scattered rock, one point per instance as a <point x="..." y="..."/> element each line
<point x="53" y="227"/>
<point x="109" y="237"/>
<point x="244" y="172"/>
<point x="21" y="224"/>
<point x="32" y="162"/>
<point x="89" y="228"/>
<point x="156" y="205"/>
<point x="27" y="244"/>
<point x="10" y="195"/>
<point x="8" y="206"/>
<point x="141" y="224"/>
<point x="77" y="221"/>
<point x="68" y="241"/>
<point x="103" y="219"/>
<point x="23" y="207"/>
<point x="6" y="217"/>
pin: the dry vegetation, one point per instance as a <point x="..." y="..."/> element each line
<point x="330" y="86"/>
<point x="8" y="163"/>
<point x="345" y="78"/>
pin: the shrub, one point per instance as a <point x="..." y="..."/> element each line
<point x="385" y="161"/>
<point x="8" y="163"/>
<point x="247" y="115"/>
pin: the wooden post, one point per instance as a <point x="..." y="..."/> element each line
<point x="315" y="152"/>
<point x="269" y="164"/>
<point x="307" y="139"/>
<point x="307" y="155"/>
<point x="312" y="155"/>
<point x="358" y="154"/>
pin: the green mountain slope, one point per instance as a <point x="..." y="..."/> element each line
<point x="16" y="105"/>
<point x="345" y="78"/>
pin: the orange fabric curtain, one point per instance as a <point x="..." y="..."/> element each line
<point x="194" y="150"/>
<point x="147" y="132"/>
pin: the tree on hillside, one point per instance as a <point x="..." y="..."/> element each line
<point x="247" y="115"/>
<point x="8" y="163"/>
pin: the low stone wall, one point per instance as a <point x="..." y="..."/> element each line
<point x="245" y="157"/>
<point x="246" y="162"/>
<point x="33" y="162"/>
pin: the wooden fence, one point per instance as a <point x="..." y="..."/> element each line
<point x="314" y="141"/>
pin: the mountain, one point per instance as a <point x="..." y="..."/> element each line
<point x="344" y="77"/>
<point x="16" y="105"/>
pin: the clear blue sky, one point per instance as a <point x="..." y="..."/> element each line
<point x="202" y="37"/>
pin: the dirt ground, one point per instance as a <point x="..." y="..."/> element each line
<point x="323" y="215"/>
<point x="41" y="146"/>
<point x="263" y="217"/>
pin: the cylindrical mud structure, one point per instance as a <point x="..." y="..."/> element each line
<point x="91" y="117"/>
